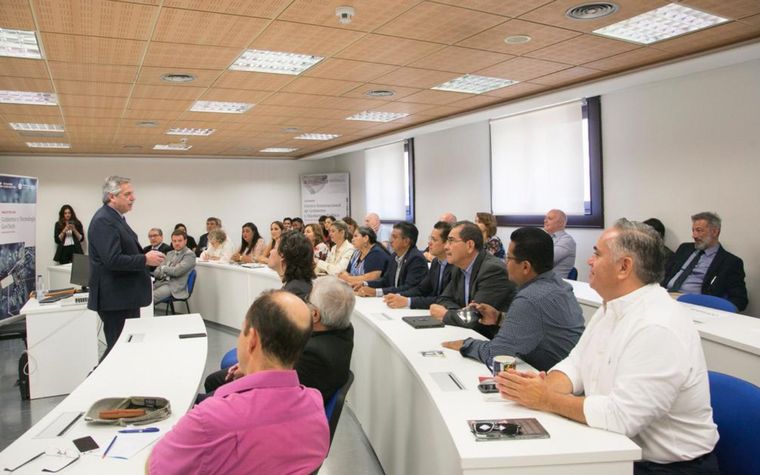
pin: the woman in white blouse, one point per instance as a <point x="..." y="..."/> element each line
<point x="220" y="248"/>
<point x="340" y="254"/>
<point x="314" y="232"/>
<point x="252" y="246"/>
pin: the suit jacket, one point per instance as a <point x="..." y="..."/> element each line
<point x="175" y="271"/>
<point x="426" y="292"/>
<point x="325" y="361"/>
<point x="119" y="279"/>
<point x="163" y="247"/>
<point x="202" y="244"/>
<point x="77" y="242"/>
<point x="413" y="270"/>
<point x="488" y="284"/>
<point x="724" y="277"/>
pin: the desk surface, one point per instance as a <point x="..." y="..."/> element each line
<point x="155" y="363"/>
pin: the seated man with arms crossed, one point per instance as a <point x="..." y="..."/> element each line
<point x="638" y="369"/>
<point x="171" y="276"/>
<point x="425" y="293"/>
<point x="544" y="321"/>
<point x="263" y="422"/>
<point x="406" y="269"/>
<point x="478" y="277"/>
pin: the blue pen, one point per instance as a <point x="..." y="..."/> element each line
<point x="109" y="447"/>
<point x="135" y="431"/>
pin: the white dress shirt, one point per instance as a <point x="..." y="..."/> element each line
<point x="641" y="367"/>
<point x="337" y="260"/>
<point x="224" y="252"/>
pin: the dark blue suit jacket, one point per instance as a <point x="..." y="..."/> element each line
<point x="428" y="290"/>
<point x="119" y="279"/>
<point x="413" y="270"/>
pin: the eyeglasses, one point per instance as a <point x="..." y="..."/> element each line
<point x="505" y="428"/>
<point x="71" y="455"/>
<point x="153" y="235"/>
<point x="513" y="258"/>
<point x="452" y="240"/>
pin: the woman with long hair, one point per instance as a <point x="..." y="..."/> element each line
<point x="293" y="260"/>
<point x="314" y="232"/>
<point x="252" y="245"/>
<point x="491" y="242"/>
<point x="68" y="234"/>
<point x="275" y="231"/>
<point x="340" y="253"/>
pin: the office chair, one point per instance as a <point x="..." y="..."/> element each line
<point x="710" y="301"/>
<point x="13" y="331"/>
<point x="573" y="274"/>
<point x="736" y="411"/>
<point x="334" y="406"/>
<point x="229" y="359"/>
<point x="169" y="301"/>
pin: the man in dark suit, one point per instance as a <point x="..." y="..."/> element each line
<point x="426" y="292"/>
<point x="407" y="267"/>
<point x="704" y="266"/>
<point x="478" y="278"/>
<point x="211" y="224"/>
<point x="156" y="238"/>
<point x="119" y="277"/>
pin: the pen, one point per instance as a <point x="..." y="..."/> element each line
<point x="109" y="446"/>
<point x="135" y="431"/>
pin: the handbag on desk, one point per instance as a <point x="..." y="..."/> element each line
<point x="135" y="410"/>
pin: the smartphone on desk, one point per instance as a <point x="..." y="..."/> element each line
<point x="85" y="444"/>
<point x="488" y="386"/>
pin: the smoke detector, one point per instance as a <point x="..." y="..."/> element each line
<point x="345" y="14"/>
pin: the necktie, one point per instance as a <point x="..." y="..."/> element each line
<point x="686" y="272"/>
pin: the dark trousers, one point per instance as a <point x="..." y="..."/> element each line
<point x="704" y="465"/>
<point x="113" y="324"/>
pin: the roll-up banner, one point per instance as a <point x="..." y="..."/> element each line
<point x="324" y="194"/>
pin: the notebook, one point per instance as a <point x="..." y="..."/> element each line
<point x="424" y="321"/>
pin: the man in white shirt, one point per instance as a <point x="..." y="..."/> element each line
<point x="564" y="244"/>
<point x="638" y="369"/>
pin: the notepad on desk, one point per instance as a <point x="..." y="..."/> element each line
<point x="127" y="446"/>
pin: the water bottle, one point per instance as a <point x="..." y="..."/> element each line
<point x="40" y="287"/>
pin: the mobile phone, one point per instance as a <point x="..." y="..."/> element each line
<point x="488" y="387"/>
<point x="85" y="444"/>
<point x="192" y="335"/>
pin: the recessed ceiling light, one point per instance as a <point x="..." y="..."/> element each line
<point x="177" y="131"/>
<point x="473" y="84"/>
<point x="30" y="98"/>
<point x="278" y="150"/>
<point x="221" y="107"/>
<point x="660" y="24"/>
<point x="379" y="93"/>
<point x="36" y="127"/>
<point x="517" y="39"/>
<point x="47" y="145"/>
<point x="172" y="146"/>
<point x="147" y="124"/>
<point x="177" y="77"/>
<point x="591" y="11"/>
<point x="374" y="116"/>
<point x="316" y="137"/>
<point x="19" y="44"/>
<point x="274" y="62"/>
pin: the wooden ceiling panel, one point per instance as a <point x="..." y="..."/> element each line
<point x="214" y="117"/>
<point x="370" y="14"/>
<point x="5" y="118"/>
<point x="8" y="83"/>
<point x="288" y="99"/>
<point x="150" y="104"/>
<point x="205" y="28"/>
<point x="304" y="39"/>
<point x="154" y="114"/>
<point x="92" y="72"/>
<point x="413" y="77"/>
<point x="20" y="109"/>
<point x="93" y="121"/>
<point x="96" y="18"/>
<point x="16" y="15"/>
<point x="407" y="107"/>
<point x="171" y="92"/>
<point x="234" y="95"/>
<point x="554" y="14"/>
<point x="255" y="81"/>
<point x="734" y="9"/>
<point x="259" y="8"/>
<point x="333" y="68"/>
<point x="460" y="60"/>
<point x="710" y="38"/>
<point x="91" y="49"/>
<point x="509" y="8"/>
<point x="399" y="91"/>
<point x="28" y="68"/>
<point x="473" y="102"/>
<point x="518" y="90"/>
<point x="435" y="97"/>
<point x="93" y="88"/>
<point x="751" y="20"/>
<point x="98" y="102"/>
<point x="327" y="87"/>
<point x="629" y="59"/>
<point x="152" y="75"/>
<point x="541" y="36"/>
<point x="440" y="23"/>
<point x="388" y="50"/>
<point x="582" y="49"/>
<point x="91" y="112"/>
<point x="523" y="69"/>
<point x="173" y="55"/>
<point x="568" y="76"/>
<point x="353" y="104"/>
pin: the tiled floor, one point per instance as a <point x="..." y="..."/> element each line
<point x="351" y="453"/>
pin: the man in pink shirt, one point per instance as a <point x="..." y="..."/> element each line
<point x="264" y="422"/>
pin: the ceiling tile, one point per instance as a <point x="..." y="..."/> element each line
<point x="98" y="102"/>
<point x="435" y="97"/>
<point x="142" y="103"/>
<point x="733" y="9"/>
<point x="460" y="60"/>
<point x="155" y="115"/>
<point x="399" y="91"/>
<point x="333" y="68"/>
<point x="304" y="39"/>
<point x="328" y="87"/>
<point x="173" y="55"/>
<point x="16" y="15"/>
<point x="234" y="95"/>
<point x="567" y="76"/>
<point x="8" y="83"/>
<point x="541" y="36"/>
<point x="255" y="81"/>
<point x="92" y="88"/>
<point x="553" y="13"/>
<point x="91" y="49"/>
<point x="582" y="49"/>
<point x="629" y="59"/>
<point x="370" y="14"/>
<point x="388" y="50"/>
<point x="92" y="72"/>
<point x="710" y="38"/>
<point x="440" y="23"/>
<point x="517" y="90"/>
<point x="30" y="68"/>
<point x="522" y="69"/>
<point x="510" y="8"/>
<point x="91" y="112"/>
<point x="474" y="102"/>
<point x="205" y="28"/>
<point x="258" y="8"/>
<point x="413" y="77"/>
<point x="176" y="93"/>
<point x="96" y="18"/>
<point x="407" y="107"/>
<point x="152" y="75"/>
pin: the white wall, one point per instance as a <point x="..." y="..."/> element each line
<point x="168" y="191"/>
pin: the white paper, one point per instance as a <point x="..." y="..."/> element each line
<point x="127" y="445"/>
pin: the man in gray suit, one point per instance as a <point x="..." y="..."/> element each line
<point x="171" y="276"/>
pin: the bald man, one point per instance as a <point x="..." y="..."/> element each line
<point x="564" y="244"/>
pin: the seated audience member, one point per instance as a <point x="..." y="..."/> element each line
<point x="369" y="261"/>
<point x="491" y="242"/>
<point x="372" y="220"/>
<point x="544" y="321"/>
<point x="438" y="276"/>
<point x="211" y="224"/>
<point x="220" y="247"/>
<point x="446" y="218"/>
<point x="638" y="369"/>
<point x="314" y="232"/>
<point x="340" y="253"/>
<point x="325" y="360"/>
<point x="293" y="260"/>
<point x="275" y="231"/>
<point x="251" y="247"/>
<point x="564" y="244"/>
<point x="704" y="266"/>
<point x="352" y="225"/>
<point x="263" y="422"/>
<point x="407" y="266"/>
<point x="297" y="224"/>
<point x="191" y="244"/>
<point x="171" y="276"/>
<point x="156" y="238"/>
<point x="657" y="225"/>
<point x="478" y="277"/>
<point x="286" y="224"/>
<point x="328" y="222"/>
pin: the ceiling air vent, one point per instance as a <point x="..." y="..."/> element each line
<point x="591" y="11"/>
<point x="177" y="77"/>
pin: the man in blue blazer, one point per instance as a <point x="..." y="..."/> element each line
<point x="119" y="278"/>
<point x="407" y="268"/>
